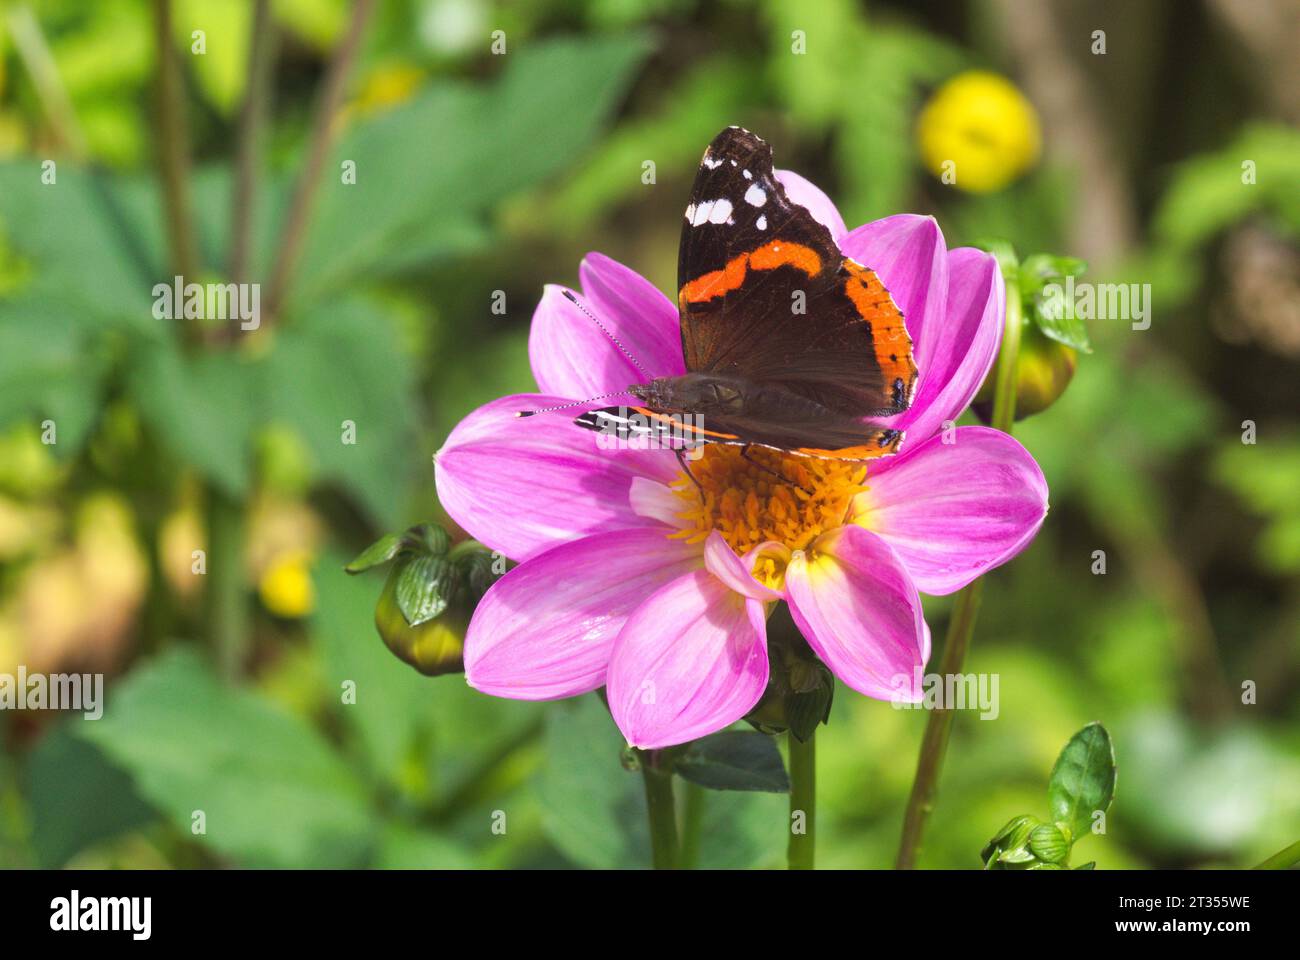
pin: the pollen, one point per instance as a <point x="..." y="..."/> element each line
<point x="766" y="496"/>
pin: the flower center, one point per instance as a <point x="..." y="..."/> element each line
<point x="765" y="495"/>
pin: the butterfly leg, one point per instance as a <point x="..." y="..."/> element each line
<point x="681" y="459"/>
<point x="744" y="452"/>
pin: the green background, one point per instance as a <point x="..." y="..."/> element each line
<point x="478" y="173"/>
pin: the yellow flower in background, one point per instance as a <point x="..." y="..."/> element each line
<point x="286" y="587"/>
<point x="978" y="132"/>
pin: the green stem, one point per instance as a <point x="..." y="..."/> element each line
<point x="965" y="611"/>
<point x="1004" y="387"/>
<point x="293" y="234"/>
<point x="225" y="600"/>
<point x="803" y="803"/>
<point x="29" y="42"/>
<point x="692" y="825"/>
<point x="1282" y="860"/>
<point x="173" y="147"/>
<point x="662" y="811"/>
<point x="252" y="118"/>
<point x="934" y="743"/>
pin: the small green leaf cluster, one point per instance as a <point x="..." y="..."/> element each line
<point x="1081" y="787"/>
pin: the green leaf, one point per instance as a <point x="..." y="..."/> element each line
<point x="94" y="242"/>
<point x="77" y="797"/>
<point x="345" y="362"/>
<point x="1048" y="843"/>
<point x="423" y="588"/>
<point x="203" y="408"/>
<point x="1090" y="865"/>
<point x="507" y="140"/>
<point x="1083" y="780"/>
<point x="594" y="811"/>
<point x="222" y="69"/>
<point x="1044" y="290"/>
<point x="391" y="715"/>
<point x="273" y="793"/>
<point x="381" y="551"/>
<point x="734" y="760"/>
<point x="1010" y="844"/>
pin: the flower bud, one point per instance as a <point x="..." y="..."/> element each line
<point x="1044" y="368"/>
<point x="434" y="647"/>
<point x="1009" y="848"/>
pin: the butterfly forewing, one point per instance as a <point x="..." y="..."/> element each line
<point x="764" y="292"/>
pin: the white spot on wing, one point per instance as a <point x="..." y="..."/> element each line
<point x="710" y="211"/>
<point x="761" y="222"/>
<point x="747" y="175"/>
<point x="755" y="196"/>
<point x="711" y="163"/>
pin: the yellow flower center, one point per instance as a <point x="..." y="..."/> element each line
<point x="763" y="496"/>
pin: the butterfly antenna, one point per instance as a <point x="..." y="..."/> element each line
<point x="565" y="406"/>
<point x="613" y="339"/>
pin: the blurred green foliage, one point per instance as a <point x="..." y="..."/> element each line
<point x="478" y="173"/>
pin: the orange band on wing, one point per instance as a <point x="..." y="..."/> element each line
<point x="685" y="428"/>
<point x="777" y="253"/>
<point x="868" y="451"/>
<point x="889" y="335"/>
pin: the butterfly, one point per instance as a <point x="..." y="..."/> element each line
<point x="788" y="343"/>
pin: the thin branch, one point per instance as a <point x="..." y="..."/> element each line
<point x="252" y="117"/>
<point x="173" y="151"/>
<point x="35" y="54"/>
<point x="294" y="231"/>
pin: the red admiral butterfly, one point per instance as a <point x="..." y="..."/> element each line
<point x="761" y="372"/>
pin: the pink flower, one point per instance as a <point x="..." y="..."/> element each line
<point x="630" y="579"/>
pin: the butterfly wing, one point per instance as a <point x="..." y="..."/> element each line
<point x="765" y="293"/>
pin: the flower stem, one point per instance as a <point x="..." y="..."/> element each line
<point x="330" y="98"/>
<point x="965" y="611"/>
<point x="803" y="803"/>
<point x="225" y="599"/>
<point x="1283" y="859"/>
<point x="692" y="824"/>
<point x="174" y="152"/>
<point x="252" y="119"/>
<point x="662" y="811"/>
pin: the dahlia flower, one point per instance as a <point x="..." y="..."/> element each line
<point x="634" y="578"/>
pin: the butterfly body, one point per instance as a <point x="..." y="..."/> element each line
<point x="788" y="343"/>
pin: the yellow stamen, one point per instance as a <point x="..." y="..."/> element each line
<point x="791" y="500"/>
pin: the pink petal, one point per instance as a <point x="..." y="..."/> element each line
<point x="807" y="194"/>
<point x="522" y="485"/>
<point x="691" y="660"/>
<point x="547" y="628"/>
<point x="908" y="253"/>
<point x="655" y="501"/>
<point x="573" y="357"/>
<point x="860" y="612"/>
<point x="962" y="349"/>
<point x="953" y="511"/>
<point x="735" y="572"/>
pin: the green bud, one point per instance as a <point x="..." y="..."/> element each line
<point x="433" y="647"/>
<point x="1044" y="368"/>
<point x="1009" y="848"/>
<point x="798" y="696"/>
<point x="1049" y="844"/>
